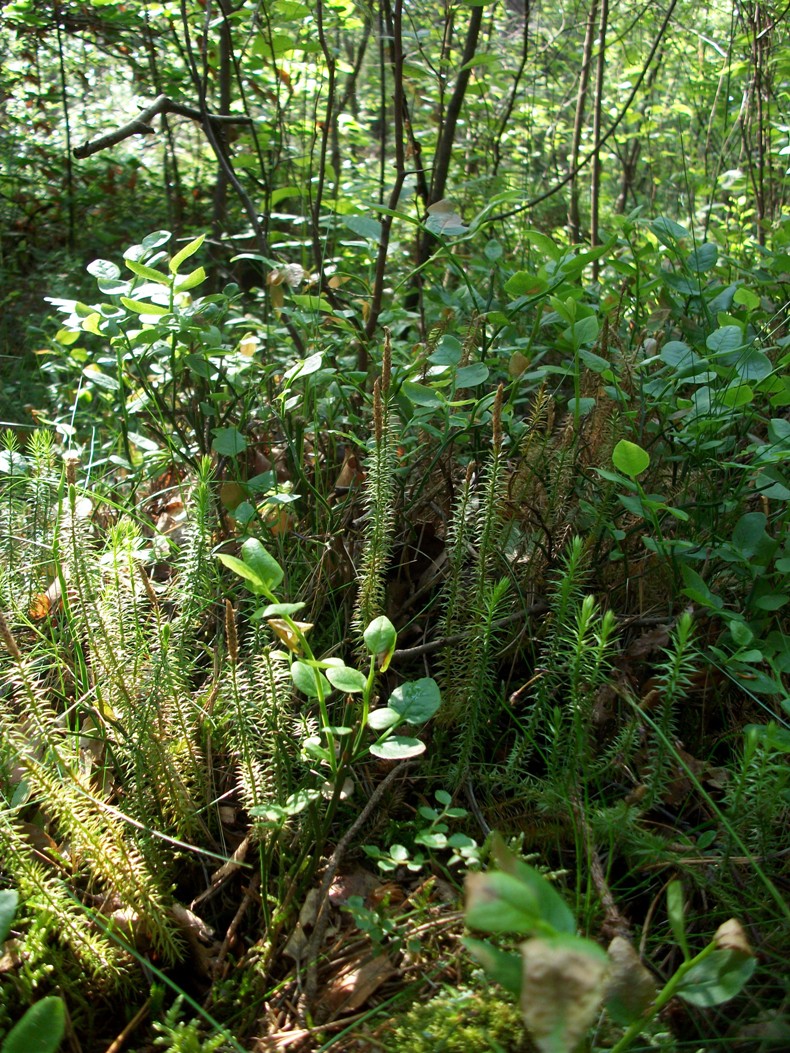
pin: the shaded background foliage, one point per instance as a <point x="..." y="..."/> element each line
<point x="343" y="108"/>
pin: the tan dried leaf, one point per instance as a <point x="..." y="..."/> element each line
<point x="283" y="631"/>
<point x="561" y="993"/>
<point x="631" y="987"/>
<point x="349" y="989"/>
<point x="731" y="936"/>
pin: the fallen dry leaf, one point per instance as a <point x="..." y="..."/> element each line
<point x="354" y="984"/>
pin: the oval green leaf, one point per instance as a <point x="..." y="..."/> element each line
<point x="417" y="700"/>
<point x="307" y="680"/>
<point x="265" y="566"/>
<point x="381" y="719"/>
<point x="346" y="679"/>
<point x="716" y="979"/>
<point x="397" y="748"/>
<point x="228" y="442"/>
<point x="629" y="458"/>
<point x="380" y="638"/>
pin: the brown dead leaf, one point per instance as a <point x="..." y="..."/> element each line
<point x="630" y="988"/>
<point x="231" y="495"/>
<point x="283" y="631"/>
<point x="561" y="992"/>
<point x="351" y="473"/>
<point x="731" y="936"/>
<point x="354" y="984"/>
<point x="359" y="882"/>
<point x="647" y="643"/>
<point x="11" y="958"/>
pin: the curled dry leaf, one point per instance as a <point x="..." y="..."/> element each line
<point x="283" y="631"/>
<point x="563" y="984"/>
<point x="351" y="987"/>
<point x="631" y="988"/>
<point x="731" y="936"/>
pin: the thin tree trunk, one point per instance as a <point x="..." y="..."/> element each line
<point x="70" y="203"/>
<point x="595" y="188"/>
<point x="444" y="148"/>
<point x="511" y="102"/>
<point x="574" y="219"/>
<point x="393" y="23"/>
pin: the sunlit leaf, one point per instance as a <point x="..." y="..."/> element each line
<point x="397" y="748"/>
<point x="416" y="701"/>
<point x="630" y="459"/>
<point x="185" y="253"/>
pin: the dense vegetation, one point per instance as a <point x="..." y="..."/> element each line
<point x="393" y="507"/>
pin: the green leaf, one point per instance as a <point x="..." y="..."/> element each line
<point x="105" y="270"/>
<point x="736" y="395"/>
<point x="154" y="240"/>
<point x="307" y="680"/>
<point x="544" y="243"/>
<point x="551" y="907"/>
<point x="444" y="219"/>
<point x="295" y="804"/>
<point x="697" y="589"/>
<point x="346" y="679"/>
<point x="582" y="332"/>
<point x="416" y="701"/>
<point x="676" y="913"/>
<point x="726" y="339"/>
<point x="243" y="570"/>
<point x="748" y="363"/>
<point x="421" y="395"/>
<point x="630" y="459"/>
<point x="749" y="533"/>
<point x="522" y="283"/>
<point x="265" y="566"/>
<point x="680" y="356"/>
<point x="277" y="610"/>
<point x="431" y="839"/>
<point x="185" y="253"/>
<point x="716" y="979"/>
<point x="312" y="303"/>
<point x="9" y="901"/>
<point x="581" y="406"/>
<point x="147" y="272"/>
<point x="449" y="351"/>
<point x="667" y="230"/>
<point x="502" y="967"/>
<point x="304" y="367"/>
<point x="471" y="376"/>
<point x="228" y="442"/>
<point x="380" y="638"/>
<point x="40" y="1030"/>
<point x="703" y="258"/>
<point x="498" y="902"/>
<point x="194" y="278"/>
<point x="141" y="307"/>
<point x="383" y="718"/>
<point x="397" y="748"/>
<point x="746" y="298"/>
<point x="365" y="226"/>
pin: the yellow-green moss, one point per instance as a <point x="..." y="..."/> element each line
<point x="459" y="1021"/>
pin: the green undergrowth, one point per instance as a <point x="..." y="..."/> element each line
<point x="270" y="623"/>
